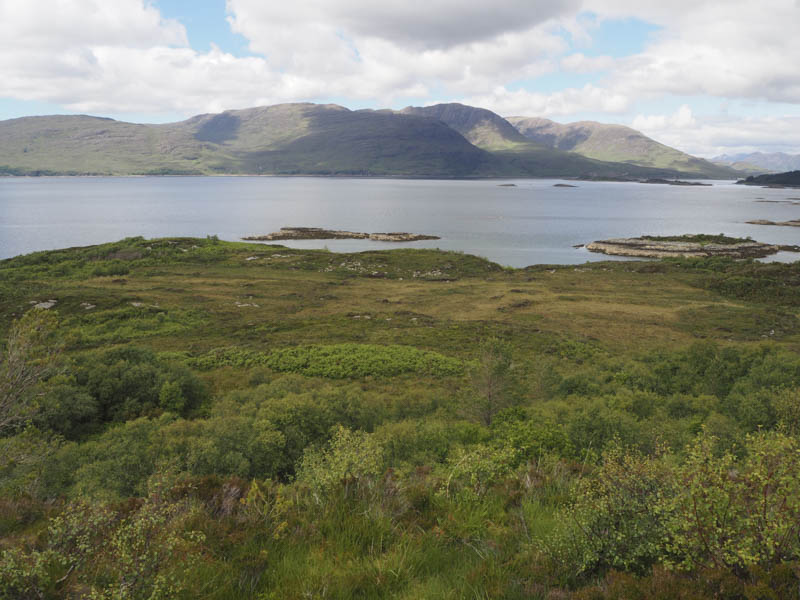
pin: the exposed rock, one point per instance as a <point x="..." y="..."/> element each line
<point x="793" y="223"/>
<point x="46" y="304"/>
<point x="316" y="233"/>
<point x="692" y="247"/>
<point x="564" y="185"/>
<point x="400" y="236"/>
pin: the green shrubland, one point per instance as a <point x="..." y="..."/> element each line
<point x="210" y="425"/>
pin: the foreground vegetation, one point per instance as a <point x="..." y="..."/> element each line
<point x="196" y="418"/>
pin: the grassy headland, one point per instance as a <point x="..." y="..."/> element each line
<point x="789" y="179"/>
<point x="231" y="420"/>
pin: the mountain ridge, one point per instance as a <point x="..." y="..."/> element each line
<point x="441" y="141"/>
<point x="761" y="162"/>
<point x="615" y="143"/>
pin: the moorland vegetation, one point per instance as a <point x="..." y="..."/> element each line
<point x="194" y="418"/>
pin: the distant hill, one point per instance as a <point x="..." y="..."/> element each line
<point x="615" y="143"/>
<point x="449" y="140"/>
<point x="789" y="179"/>
<point x="283" y="139"/>
<point x="761" y="162"/>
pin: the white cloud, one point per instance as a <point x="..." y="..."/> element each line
<point x="681" y="119"/>
<point x="438" y="24"/>
<point x="122" y="56"/>
<point x="712" y="136"/>
<point x="43" y="25"/>
<point x="724" y="48"/>
<point x="579" y="63"/>
<point x="558" y="104"/>
<point x="386" y="49"/>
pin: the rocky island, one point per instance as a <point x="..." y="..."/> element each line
<point x="651" y="180"/>
<point x="687" y="246"/>
<point x="792" y="223"/>
<point x="317" y="233"/>
<point x="676" y="182"/>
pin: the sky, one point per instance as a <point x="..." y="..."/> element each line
<point x="705" y="76"/>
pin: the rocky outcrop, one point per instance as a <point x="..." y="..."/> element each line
<point x="316" y="233"/>
<point x="644" y="247"/>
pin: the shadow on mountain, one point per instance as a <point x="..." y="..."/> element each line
<point x="367" y="142"/>
<point x="219" y="129"/>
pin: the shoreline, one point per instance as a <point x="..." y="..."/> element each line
<point x="686" y="181"/>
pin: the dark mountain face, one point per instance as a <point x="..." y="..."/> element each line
<point x="370" y="143"/>
<point x="219" y="128"/>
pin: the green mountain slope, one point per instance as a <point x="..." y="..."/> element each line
<point x="615" y="143"/>
<point x="283" y="139"/>
<point x="449" y="140"/>
<point x="481" y="127"/>
<point x="515" y="154"/>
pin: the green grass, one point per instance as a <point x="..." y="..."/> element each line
<point x="698" y="238"/>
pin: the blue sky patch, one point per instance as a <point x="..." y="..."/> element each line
<point x="205" y="23"/>
<point x="616" y="38"/>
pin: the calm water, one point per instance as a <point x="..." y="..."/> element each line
<point x="531" y="223"/>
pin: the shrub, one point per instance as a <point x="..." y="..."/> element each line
<point x="737" y="514"/>
<point x="343" y="361"/>
<point x="618" y="518"/>
<point x="337" y="361"/>
<point x="351" y="457"/>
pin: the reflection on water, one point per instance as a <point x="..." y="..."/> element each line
<point x="530" y="223"/>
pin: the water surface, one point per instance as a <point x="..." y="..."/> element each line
<point x="530" y="223"/>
